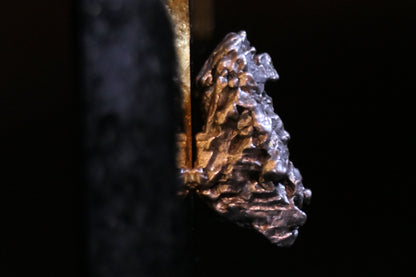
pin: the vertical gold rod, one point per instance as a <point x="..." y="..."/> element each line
<point x="179" y="14"/>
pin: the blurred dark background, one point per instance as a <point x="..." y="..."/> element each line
<point x="346" y="76"/>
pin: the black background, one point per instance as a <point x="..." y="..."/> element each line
<point x="41" y="150"/>
<point x="346" y="76"/>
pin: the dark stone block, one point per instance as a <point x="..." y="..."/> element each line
<point x="134" y="218"/>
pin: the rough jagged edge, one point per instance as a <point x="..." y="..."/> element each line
<point x="242" y="129"/>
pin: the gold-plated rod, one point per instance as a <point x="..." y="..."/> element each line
<point x="178" y="11"/>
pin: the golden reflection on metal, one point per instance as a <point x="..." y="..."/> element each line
<point x="242" y="168"/>
<point x="179" y="13"/>
<point x="242" y="152"/>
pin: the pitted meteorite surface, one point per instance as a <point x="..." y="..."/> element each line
<point x="242" y="150"/>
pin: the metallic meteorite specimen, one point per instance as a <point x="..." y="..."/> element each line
<point x="243" y="165"/>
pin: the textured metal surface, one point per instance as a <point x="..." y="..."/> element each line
<point x="242" y="154"/>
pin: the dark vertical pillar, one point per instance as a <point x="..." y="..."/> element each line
<point x="134" y="220"/>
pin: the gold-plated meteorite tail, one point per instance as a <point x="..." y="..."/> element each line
<point x="242" y="169"/>
<point x="178" y="11"/>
